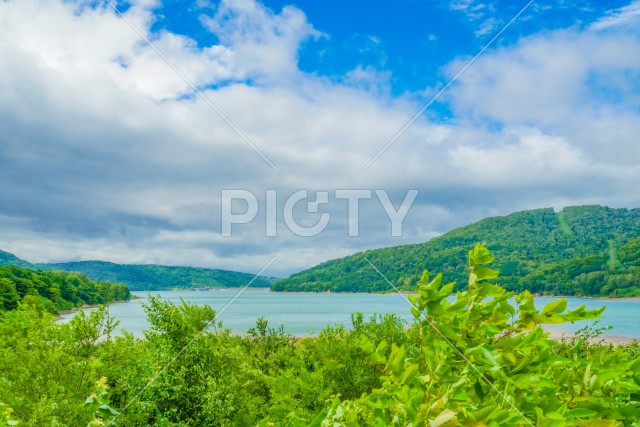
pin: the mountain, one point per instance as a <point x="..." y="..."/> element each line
<point x="158" y="277"/>
<point x="577" y="251"/>
<point x="7" y="258"/>
<point x="147" y="276"/>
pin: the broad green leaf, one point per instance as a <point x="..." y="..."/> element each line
<point x="485" y="273"/>
<point x="442" y="418"/>
<point x="555" y="307"/>
<point x="582" y="413"/>
<point x="410" y="372"/>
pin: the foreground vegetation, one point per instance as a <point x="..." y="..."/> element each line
<point x="473" y="361"/>
<point x="54" y="291"/>
<point x="584" y="251"/>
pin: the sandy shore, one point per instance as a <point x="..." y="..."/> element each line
<point x="558" y="334"/>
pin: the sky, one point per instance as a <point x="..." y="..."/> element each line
<point x="122" y="124"/>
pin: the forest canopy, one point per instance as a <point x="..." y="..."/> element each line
<point x="53" y="291"/>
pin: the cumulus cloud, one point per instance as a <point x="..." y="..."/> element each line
<point x="108" y="153"/>
<point x="265" y="43"/>
<point x="577" y="85"/>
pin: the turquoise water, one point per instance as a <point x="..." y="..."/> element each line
<point x="308" y="313"/>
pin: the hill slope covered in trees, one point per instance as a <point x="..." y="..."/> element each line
<point x="53" y="291"/>
<point x="583" y="250"/>
<point x="157" y="277"/>
<point x="148" y="276"/>
<point x="7" y="258"/>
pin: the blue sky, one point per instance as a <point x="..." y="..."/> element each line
<point x="411" y="39"/>
<point x="108" y="153"/>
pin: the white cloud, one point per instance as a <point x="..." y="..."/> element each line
<point x="487" y="27"/>
<point x="625" y="16"/>
<point x="578" y="85"/>
<point x="474" y="10"/>
<point x="479" y="14"/>
<point x="97" y="47"/>
<point x="265" y="44"/>
<point x="123" y="163"/>
<point x="524" y="157"/>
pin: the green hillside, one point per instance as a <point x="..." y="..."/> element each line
<point x="583" y="250"/>
<point x="53" y="291"/>
<point x="158" y="277"/>
<point x="148" y="276"/>
<point x="7" y="258"/>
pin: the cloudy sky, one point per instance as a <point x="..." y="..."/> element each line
<point x="119" y="129"/>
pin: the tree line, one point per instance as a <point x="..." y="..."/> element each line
<point x="53" y="291"/>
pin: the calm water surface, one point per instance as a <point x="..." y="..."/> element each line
<point x="308" y="313"/>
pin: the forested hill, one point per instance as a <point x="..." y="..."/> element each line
<point x="7" y="258"/>
<point x="584" y="250"/>
<point x="148" y="276"/>
<point x="158" y="277"/>
<point x="53" y="291"/>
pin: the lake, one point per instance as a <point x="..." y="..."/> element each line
<point x="308" y="313"/>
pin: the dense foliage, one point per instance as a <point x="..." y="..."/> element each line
<point x="586" y="250"/>
<point x="475" y="360"/>
<point x="482" y="362"/>
<point x="10" y="259"/>
<point x="148" y="276"/>
<point x="47" y="369"/>
<point x="55" y="290"/>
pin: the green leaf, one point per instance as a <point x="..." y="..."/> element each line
<point x="398" y="360"/>
<point x="365" y="345"/>
<point x="479" y="255"/>
<point x="634" y="365"/>
<point x="485" y="273"/>
<point x="490" y="357"/>
<point x="586" y="378"/>
<point x="555" y="307"/>
<point x="410" y="372"/>
<point x="582" y="413"/>
<point x="442" y="418"/>
<point x="107" y="410"/>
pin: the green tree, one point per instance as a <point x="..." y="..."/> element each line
<point x="485" y="363"/>
<point x="9" y="297"/>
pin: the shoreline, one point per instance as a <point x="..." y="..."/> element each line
<point x="631" y="299"/>
<point x="58" y="315"/>
<point x="559" y="335"/>
<point x="402" y="292"/>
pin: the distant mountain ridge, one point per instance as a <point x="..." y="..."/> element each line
<point x="7" y="258"/>
<point x="581" y="250"/>
<point x="148" y="276"/>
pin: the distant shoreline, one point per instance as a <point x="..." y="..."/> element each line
<point x="403" y="292"/>
<point x="634" y="299"/>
